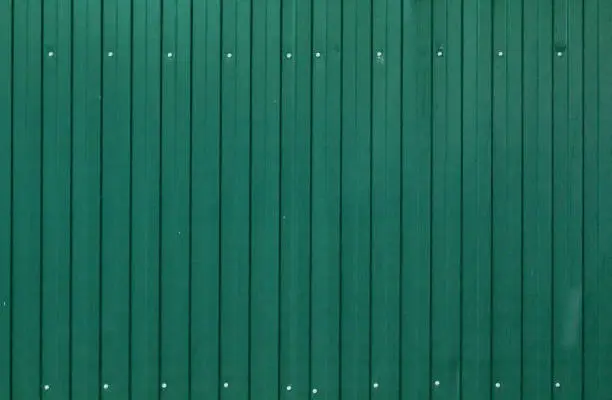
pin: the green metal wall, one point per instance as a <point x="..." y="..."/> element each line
<point x="264" y="199"/>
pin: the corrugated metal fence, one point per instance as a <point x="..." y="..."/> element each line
<point x="383" y="199"/>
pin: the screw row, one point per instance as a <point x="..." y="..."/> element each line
<point x="317" y="54"/>
<point x="289" y="388"/>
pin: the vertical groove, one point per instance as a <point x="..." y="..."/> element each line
<point x="310" y="197"/>
<point x="583" y="213"/>
<point x="41" y="197"/>
<point x="160" y="177"/>
<point x="401" y="207"/>
<point x="131" y="207"/>
<point x="552" y="197"/>
<point x="370" y="196"/>
<point x="250" y="200"/>
<point x="190" y="213"/>
<point x="491" y="197"/>
<point x="280" y="194"/>
<point x="583" y="203"/>
<point x="431" y="190"/>
<point x="340" y="200"/>
<point x="522" y="224"/>
<point x="220" y="191"/>
<point x="461" y="208"/>
<point x="250" y="206"/>
<point x="12" y="198"/>
<point x="100" y="210"/>
<point x="71" y="209"/>
<point x="598" y="201"/>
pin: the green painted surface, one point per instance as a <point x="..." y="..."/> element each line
<point x="266" y="199"/>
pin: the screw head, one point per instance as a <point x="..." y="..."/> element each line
<point x="497" y="385"/>
<point x="318" y="55"/>
<point x="164" y="385"/>
<point x="46" y="387"/>
<point x="379" y="54"/>
<point x="315" y="391"/>
<point x="106" y="386"/>
<point x="500" y="53"/>
<point x="437" y="383"/>
<point x="375" y="385"/>
<point x="229" y="55"/>
<point x="170" y="55"/>
<point x="51" y="54"/>
<point x="559" y="54"/>
<point x="225" y="385"/>
<point x="289" y="388"/>
<point x="289" y="55"/>
<point x="439" y="53"/>
<point x="110" y="54"/>
<point x="557" y="385"/>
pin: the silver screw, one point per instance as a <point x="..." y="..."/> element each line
<point x="439" y="53"/>
<point x="314" y="391"/>
<point x="164" y="385"/>
<point x="46" y="387"/>
<point x="51" y="54"/>
<point x="4" y="304"/>
<point x="318" y="55"/>
<point x="500" y="53"/>
<point x="229" y="55"/>
<point x="375" y="385"/>
<point x="226" y="385"/>
<point x="437" y="383"/>
<point x="497" y="385"/>
<point x="289" y="55"/>
<point x="560" y="54"/>
<point x="170" y="55"/>
<point x="110" y="54"/>
<point x="557" y="385"/>
<point x="106" y="386"/>
<point x="289" y="388"/>
<point x="379" y="54"/>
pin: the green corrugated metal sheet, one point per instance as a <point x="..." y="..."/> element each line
<point x="265" y="199"/>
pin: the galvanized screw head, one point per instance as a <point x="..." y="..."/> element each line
<point x="437" y="383"/>
<point x="497" y="385"/>
<point x="559" y="54"/>
<point x="557" y="385"/>
<point x="110" y="54"/>
<point x="379" y="54"/>
<point x="226" y="385"/>
<point x="500" y="53"/>
<point x="289" y="55"/>
<point x="439" y="53"/>
<point x="51" y="54"/>
<point x="229" y="55"/>
<point x="170" y="55"/>
<point x="106" y="386"/>
<point x="289" y="388"/>
<point x="315" y="391"/>
<point x="375" y="385"/>
<point x="46" y="387"/>
<point x="318" y="55"/>
<point x="164" y="385"/>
